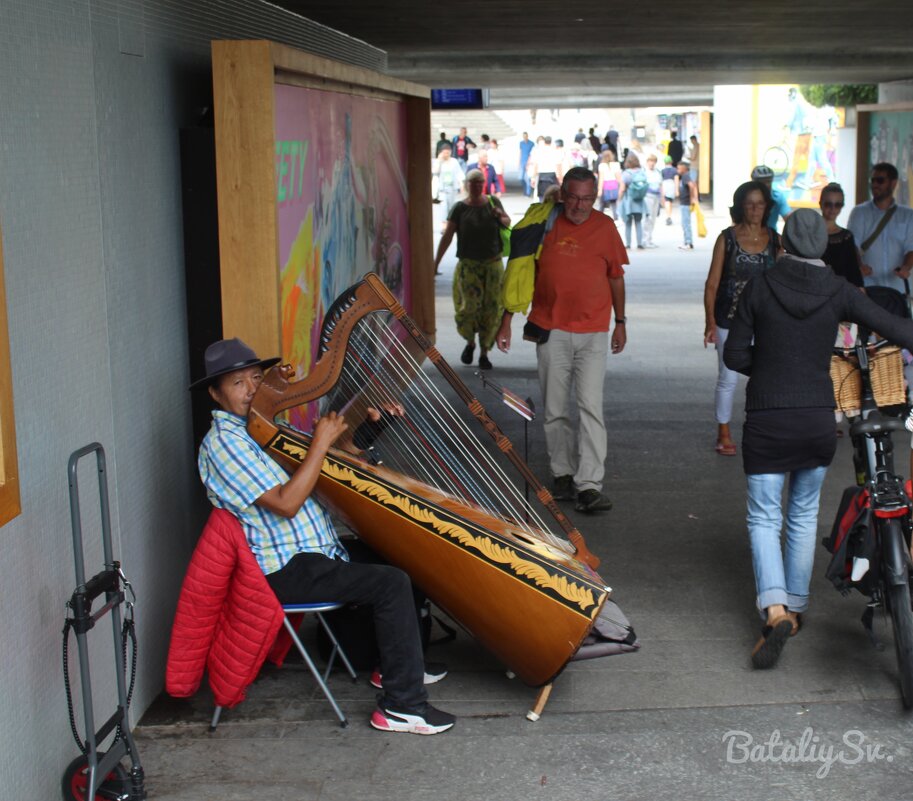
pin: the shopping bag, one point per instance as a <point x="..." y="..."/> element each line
<point x="699" y="219"/>
<point x="505" y="235"/>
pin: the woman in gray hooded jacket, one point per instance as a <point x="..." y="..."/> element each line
<point x="782" y="339"/>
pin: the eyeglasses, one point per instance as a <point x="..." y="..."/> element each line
<point x="584" y="200"/>
<point x="831" y="204"/>
<point x="879" y="179"/>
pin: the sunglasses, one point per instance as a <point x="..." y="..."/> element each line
<point x="879" y="179"/>
<point x="832" y="204"/>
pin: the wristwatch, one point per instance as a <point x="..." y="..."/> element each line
<point x="621" y="320"/>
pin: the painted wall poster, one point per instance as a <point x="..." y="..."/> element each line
<point x="891" y="140"/>
<point x="342" y="204"/>
<point x="798" y="142"/>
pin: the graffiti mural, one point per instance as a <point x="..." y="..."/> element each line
<point x="342" y="206"/>
<point x="891" y="140"/>
<point x="798" y="142"/>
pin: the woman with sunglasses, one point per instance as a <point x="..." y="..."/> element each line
<point x="841" y="253"/>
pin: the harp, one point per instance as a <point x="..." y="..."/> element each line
<point x="430" y="496"/>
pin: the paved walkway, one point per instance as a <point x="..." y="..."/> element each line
<point x="686" y="717"/>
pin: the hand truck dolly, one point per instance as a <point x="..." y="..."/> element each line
<point x="98" y="774"/>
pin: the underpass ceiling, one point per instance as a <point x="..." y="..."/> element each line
<point x="532" y="52"/>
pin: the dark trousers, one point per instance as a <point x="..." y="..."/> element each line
<point x="546" y="179"/>
<point x="312" y="577"/>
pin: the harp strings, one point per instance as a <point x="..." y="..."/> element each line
<point x="431" y="442"/>
<point x="379" y="373"/>
<point x="431" y="429"/>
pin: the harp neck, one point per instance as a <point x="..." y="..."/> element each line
<point x="276" y="393"/>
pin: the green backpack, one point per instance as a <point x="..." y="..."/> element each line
<point x="638" y="187"/>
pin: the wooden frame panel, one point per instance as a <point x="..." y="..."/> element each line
<point x="245" y="77"/>
<point x="9" y="471"/>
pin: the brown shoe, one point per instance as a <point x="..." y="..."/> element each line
<point x="796" y="619"/>
<point x="773" y="637"/>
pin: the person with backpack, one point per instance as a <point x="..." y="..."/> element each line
<point x="633" y="195"/>
<point x="653" y="201"/>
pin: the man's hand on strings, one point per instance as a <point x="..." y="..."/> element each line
<point x="376" y="420"/>
<point x="328" y="429"/>
<point x="390" y="408"/>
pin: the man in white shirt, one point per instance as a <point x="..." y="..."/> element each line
<point x="449" y="177"/>
<point x="886" y="254"/>
<point x="544" y="166"/>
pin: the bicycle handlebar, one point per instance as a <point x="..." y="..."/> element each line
<point x="847" y="352"/>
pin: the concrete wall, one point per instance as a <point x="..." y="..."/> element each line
<point x="895" y="92"/>
<point x="732" y="156"/>
<point x="92" y="96"/>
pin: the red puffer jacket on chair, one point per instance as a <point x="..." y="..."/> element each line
<point x="227" y="617"/>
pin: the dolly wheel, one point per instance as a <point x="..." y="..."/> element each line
<point x="76" y="782"/>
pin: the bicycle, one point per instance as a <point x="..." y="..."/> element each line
<point x="777" y="156"/>
<point x="871" y="535"/>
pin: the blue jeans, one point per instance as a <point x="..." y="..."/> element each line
<point x="686" y="222"/>
<point x="527" y="184"/>
<point x="638" y="227"/>
<point x="782" y="575"/>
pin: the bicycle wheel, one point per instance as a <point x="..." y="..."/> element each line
<point x="897" y="597"/>
<point x="776" y="158"/>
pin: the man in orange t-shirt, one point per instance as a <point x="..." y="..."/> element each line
<point x="579" y="284"/>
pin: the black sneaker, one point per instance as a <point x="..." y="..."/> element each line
<point x="592" y="501"/>
<point x="466" y="355"/>
<point x="425" y="720"/>
<point x="484" y="363"/>
<point x="767" y="650"/>
<point x="563" y="488"/>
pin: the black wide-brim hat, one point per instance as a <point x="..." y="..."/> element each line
<point x="226" y="356"/>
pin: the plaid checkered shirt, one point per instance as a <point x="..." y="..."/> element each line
<point x="236" y="471"/>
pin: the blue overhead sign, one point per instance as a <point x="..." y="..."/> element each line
<point x="457" y="99"/>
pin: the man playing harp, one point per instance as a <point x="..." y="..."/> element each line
<point x="294" y="541"/>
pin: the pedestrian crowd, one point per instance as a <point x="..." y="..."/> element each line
<point x="543" y="163"/>
<point x="774" y="304"/>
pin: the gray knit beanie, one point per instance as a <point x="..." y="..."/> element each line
<point x="805" y="234"/>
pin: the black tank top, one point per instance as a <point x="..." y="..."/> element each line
<point x="739" y="267"/>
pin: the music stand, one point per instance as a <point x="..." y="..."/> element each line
<point x="525" y="408"/>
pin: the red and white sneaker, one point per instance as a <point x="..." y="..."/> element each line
<point x="434" y="672"/>
<point x="426" y="720"/>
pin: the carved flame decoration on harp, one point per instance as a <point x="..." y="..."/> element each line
<point x="429" y="495"/>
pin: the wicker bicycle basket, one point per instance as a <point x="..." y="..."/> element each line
<point x="886" y="374"/>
